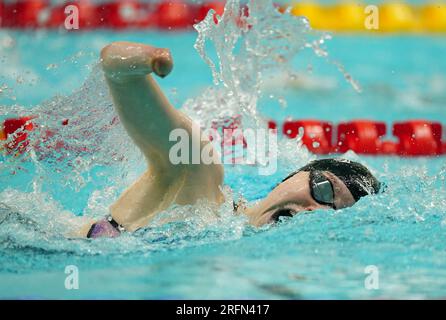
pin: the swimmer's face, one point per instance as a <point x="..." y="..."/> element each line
<point x="294" y="196"/>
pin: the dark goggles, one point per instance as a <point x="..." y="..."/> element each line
<point x="321" y="189"/>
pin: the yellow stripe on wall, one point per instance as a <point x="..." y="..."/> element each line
<point x="392" y="17"/>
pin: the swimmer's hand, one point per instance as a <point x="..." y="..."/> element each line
<point x="126" y="59"/>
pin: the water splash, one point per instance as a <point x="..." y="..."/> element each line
<point x="93" y="158"/>
<point x="79" y="137"/>
<point x="250" y="43"/>
<point x="73" y="136"/>
<point x="244" y="50"/>
<point x="79" y="150"/>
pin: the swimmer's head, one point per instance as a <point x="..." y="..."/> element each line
<point x="321" y="184"/>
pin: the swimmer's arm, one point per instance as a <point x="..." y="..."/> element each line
<point x="82" y="232"/>
<point x="143" y="109"/>
<point x="149" y="118"/>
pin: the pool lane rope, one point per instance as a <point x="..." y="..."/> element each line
<point x="413" y="138"/>
<point x="181" y="15"/>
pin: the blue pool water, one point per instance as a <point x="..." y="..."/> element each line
<point x="320" y="255"/>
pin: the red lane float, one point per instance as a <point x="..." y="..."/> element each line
<point x="218" y="7"/>
<point x="1" y="14"/>
<point x="126" y="14"/>
<point x="418" y="138"/>
<point x="364" y="137"/>
<point x="164" y="15"/>
<point x="88" y="17"/>
<point x="361" y="136"/>
<point x="20" y="141"/>
<point x="316" y="135"/>
<point x="272" y="125"/>
<point x="19" y="128"/>
<point x="174" y="14"/>
<point x="24" y="14"/>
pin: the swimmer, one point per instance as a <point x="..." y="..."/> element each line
<point x="148" y="118"/>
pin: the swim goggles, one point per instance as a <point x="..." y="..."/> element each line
<point x="321" y="189"/>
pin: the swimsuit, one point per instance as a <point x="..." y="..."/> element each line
<point x="107" y="227"/>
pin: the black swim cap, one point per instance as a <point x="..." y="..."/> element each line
<point x="358" y="179"/>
